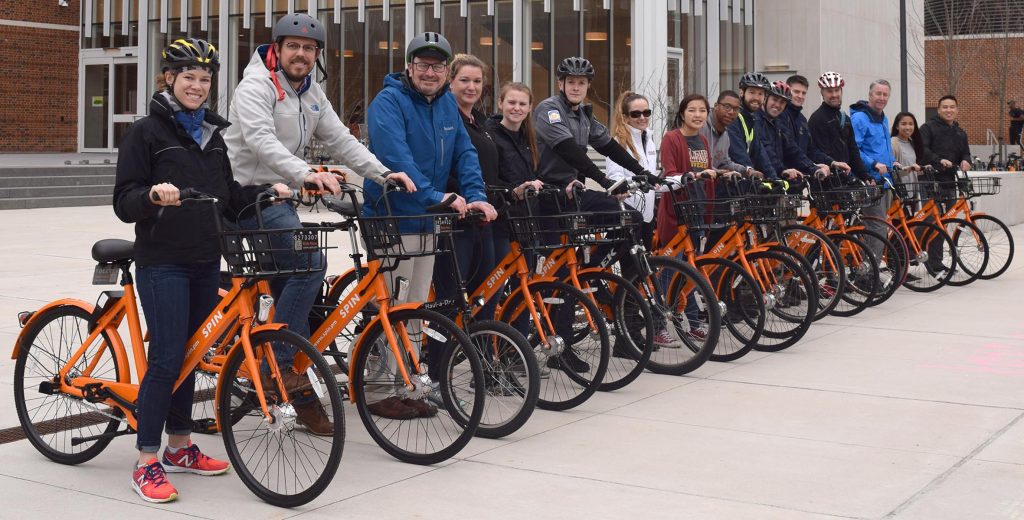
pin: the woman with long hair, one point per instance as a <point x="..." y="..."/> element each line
<point x="631" y="121"/>
<point x="908" y="147"/>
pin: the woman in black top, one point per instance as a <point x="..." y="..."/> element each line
<point x="177" y="145"/>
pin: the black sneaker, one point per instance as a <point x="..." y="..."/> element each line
<point x="569" y="360"/>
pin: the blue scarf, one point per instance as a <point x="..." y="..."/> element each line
<point x="192" y="123"/>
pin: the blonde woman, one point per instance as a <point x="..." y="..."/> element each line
<point x="631" y="123"/>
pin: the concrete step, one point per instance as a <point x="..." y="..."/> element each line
<point x="55" y="171"/>
<point x="56" y="202"/>
<point x="59" y="180"/>
<point x="55" y="191"/>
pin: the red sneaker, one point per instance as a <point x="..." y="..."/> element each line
<point x="150" y="482"/>
<point x="190" y="460"/>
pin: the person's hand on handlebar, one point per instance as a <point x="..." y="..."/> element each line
<point x="402" y="179"/>
<point x="791" y="173"/>
<point x="946" y="163"/>
<point x="282" y="190"/>
<point x="325" y="181"/>
<point x="484" y="207"/>
<point x="840" y="165"/>
<point x="823" y="171"/>
<point x="520" y="191"/>
<point x="754" y="174"/>
<point x="459" y="205"/>
<point x="965" y="166"/>
<point x="571" y="186"/>
<point x="164" y="194"/>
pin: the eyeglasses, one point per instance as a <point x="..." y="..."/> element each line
<point x="436" y="67"/>
<point x="728" y="108"/>
<point x="635" y="114"/>
<point x="296" y="47"/>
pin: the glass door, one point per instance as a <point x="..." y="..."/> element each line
<point x="109" y="101"/>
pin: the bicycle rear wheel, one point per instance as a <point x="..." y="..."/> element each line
<point x="826" y="268"/>
<point x="791" y="299"/>
<point x="280" y="459"/>
<point x="932" y="266"/>
<point x="863" y="277"/>
<point x="577" y="362"/>
<point x="457" y="399"/>
<point x="1000" y="245"/>
<point x="629" y="322"/>
<point x="52" y="420"/>
<point x="743" y="320"/>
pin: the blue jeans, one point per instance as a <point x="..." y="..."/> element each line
<point x="176" y="300"/>
<point x="294" y="295"/>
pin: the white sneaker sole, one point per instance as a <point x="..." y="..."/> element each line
<point x="138" y="490"/>
<point x="168" y="468"/>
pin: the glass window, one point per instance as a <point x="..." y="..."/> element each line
<point x="622" y="47"/>
<point x="481" y="45"/>
<point x="597" y="48"/>
<point x="540" y="52"/>
<point x="397" y="37"/>
<point x="353" y="56"/>
<point x="503" y="43"/>
<point x="425" y="20"/>
<point x="453" y="27"/>
<point x="377" y="60"/>
<point x="567" y="27"/>
<point x="732" y="49"/>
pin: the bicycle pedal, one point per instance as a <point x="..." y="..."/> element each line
<point x="207" y="426"/>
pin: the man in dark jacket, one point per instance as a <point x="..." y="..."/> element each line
<point x="944" y="137"/>
<point x="831" y="130"/>
<point x="794" y="124"/>
<point x="787" y="158"/>
<point x="745" y="145"/>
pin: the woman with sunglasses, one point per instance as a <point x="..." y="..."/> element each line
<point x="630" y="127"/>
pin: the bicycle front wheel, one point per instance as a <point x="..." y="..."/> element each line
<point x="790" y="299"/>
<point x="630" y="323"/>
<point x="285" y="458"/>
<point x="744" y="316"/>
<point x="447" y="411"/>
<point x="1000" y="245"/>
<point x="511" y="377"/>
<point x="971" y="250"/>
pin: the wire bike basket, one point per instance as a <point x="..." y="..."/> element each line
<point x="403" y="237"/>
<point x="705" y="214"/>
<point x="275" y="252"/>
<point x="981" y="186"/>
<point x="766" y="209"/>
<point x="845" y="200"/>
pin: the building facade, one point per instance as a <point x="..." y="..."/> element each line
<point x="107" y="51"/>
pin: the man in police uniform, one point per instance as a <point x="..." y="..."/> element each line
<point x="565" y="126"/>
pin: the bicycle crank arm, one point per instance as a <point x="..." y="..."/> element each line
<point x="75" y="441"/>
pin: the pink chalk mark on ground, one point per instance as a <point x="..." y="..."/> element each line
<point x="991" y="358"/>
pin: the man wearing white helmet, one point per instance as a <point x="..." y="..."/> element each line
<point x="831" y="129"/>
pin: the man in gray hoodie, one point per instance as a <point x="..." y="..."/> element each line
<point x="275" y="110"/>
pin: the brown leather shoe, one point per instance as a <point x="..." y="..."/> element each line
<point x="297" y="385"/>
<point x="392" y="408"/>
<point x="423" y="408"/>
<point x="313" y="416"/>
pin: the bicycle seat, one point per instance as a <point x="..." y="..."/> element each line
<point x="113" y="250"/>
<point x="342" y="207"/>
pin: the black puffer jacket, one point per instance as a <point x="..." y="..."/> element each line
<point x="156" y="149"/>
<point x="515" y="162"/>
<point x="946" y="142"/>
<point x="832" y="133"/>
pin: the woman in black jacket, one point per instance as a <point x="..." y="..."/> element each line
<point x="177" y="145"/>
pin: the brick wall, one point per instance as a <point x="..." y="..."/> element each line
<point x="40" y="88"/>
<point x="977" y="99"/>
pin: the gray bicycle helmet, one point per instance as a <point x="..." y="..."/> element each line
<point x="301" y="25"/>
<point x="188" y="53"/>
<point x="575" y="66"/>
<point x="430" y="45"/>
<point x="755" y="79"/>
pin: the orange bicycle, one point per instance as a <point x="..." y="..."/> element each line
<point x="74" y="388"/>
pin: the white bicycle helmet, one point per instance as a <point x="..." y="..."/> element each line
<point x="831" y="80"/>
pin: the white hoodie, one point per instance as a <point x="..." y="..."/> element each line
<point x="267" y="138"/>
<point x="643" y="202"/>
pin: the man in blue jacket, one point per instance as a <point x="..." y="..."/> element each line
<point x="872" y="132"/>
<point x="415" y="127"/>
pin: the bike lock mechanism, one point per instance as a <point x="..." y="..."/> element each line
<point x="265" y="303"/>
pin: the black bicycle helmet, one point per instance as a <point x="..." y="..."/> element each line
<point x="301" y="25"/>
<point x="575" y="66"/>
<point x="780" y="89"/>
<point x="755" y="79"/>
<point x="429" y="44"/>
<point x="190" y="52"/>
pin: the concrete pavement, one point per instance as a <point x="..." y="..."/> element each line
<point x="911" y="410"/>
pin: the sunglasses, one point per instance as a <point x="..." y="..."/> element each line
<point x="635" y="114"/>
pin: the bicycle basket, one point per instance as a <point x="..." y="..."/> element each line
<point x="978" y="186"/>
<point x="846" y="199"/>
<point x="709" y="214"/>
<point x="761" y="209"/>
<point x="273" y="252"/>
<point x="599" y="228"/>
<point x="407" y="236"/>
<point x="541" y="232"/>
